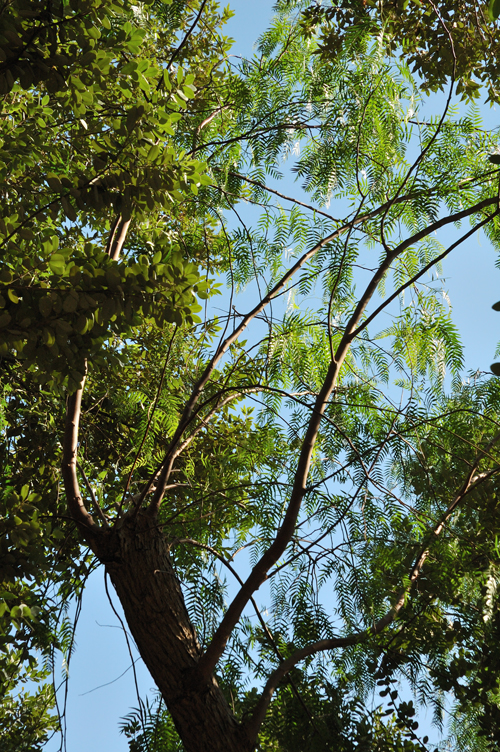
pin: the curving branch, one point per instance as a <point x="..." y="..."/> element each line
<point x="425" y="269"/>
<point x="259" y="573"/>
<point x="167" y="465"/>
<point x="253" y="725"/>
<point x="76" y="506"/>
<point x="117" y="237"/>
<point x="472" y="481"/>
<point x="70" y="463"/>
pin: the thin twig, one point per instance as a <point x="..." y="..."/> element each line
<point x="96" y="504"/>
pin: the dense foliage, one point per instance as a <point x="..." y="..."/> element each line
<point x="456" y="39"/>
<point x="337" y="451"/>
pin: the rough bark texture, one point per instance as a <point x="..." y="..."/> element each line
<point x="137" y="560"/>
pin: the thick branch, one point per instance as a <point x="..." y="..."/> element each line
<point x="76" y="506"/>
<point x="255" y="722"/>
<point x="69" y="464"/>
<point x="117" y="237"/>
<point x="259" y="573"/>
<point x="422" y="271"/>
<point x="253" y="725"/>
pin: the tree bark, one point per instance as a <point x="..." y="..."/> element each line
<point x="136" y="557"/>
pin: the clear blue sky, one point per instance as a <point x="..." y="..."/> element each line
<point x="101" y="653"/>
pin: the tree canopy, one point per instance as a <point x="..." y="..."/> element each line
<point x="224" y="394"/>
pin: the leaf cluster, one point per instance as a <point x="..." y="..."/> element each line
<point x="451" y="40"/>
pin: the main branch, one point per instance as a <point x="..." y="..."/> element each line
<point x="472" y="481"/>
<point x="76" y="506"/>
<point x="259" y="573"/>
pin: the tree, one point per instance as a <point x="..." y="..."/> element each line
<point x="141" y="433"/>
<point x="439" y="40"/>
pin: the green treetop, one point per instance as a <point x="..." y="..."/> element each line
<point x="159" y="432"/>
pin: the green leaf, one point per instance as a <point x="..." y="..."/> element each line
<point x="494" y="10"/>
<point x="54" y="182"/>
<point x="48" y="337"/>
<point x="68" y="209"/>
<point x="57" y="264"/>
<point x="70" y="302"/>
<point x="153" y="152"/>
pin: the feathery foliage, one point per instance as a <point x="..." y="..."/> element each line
<point x="324" y="491"/>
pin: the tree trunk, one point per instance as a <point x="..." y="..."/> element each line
<point x="137" y="560"/>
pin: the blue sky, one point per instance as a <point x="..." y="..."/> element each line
<point x="101" y="655"/>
